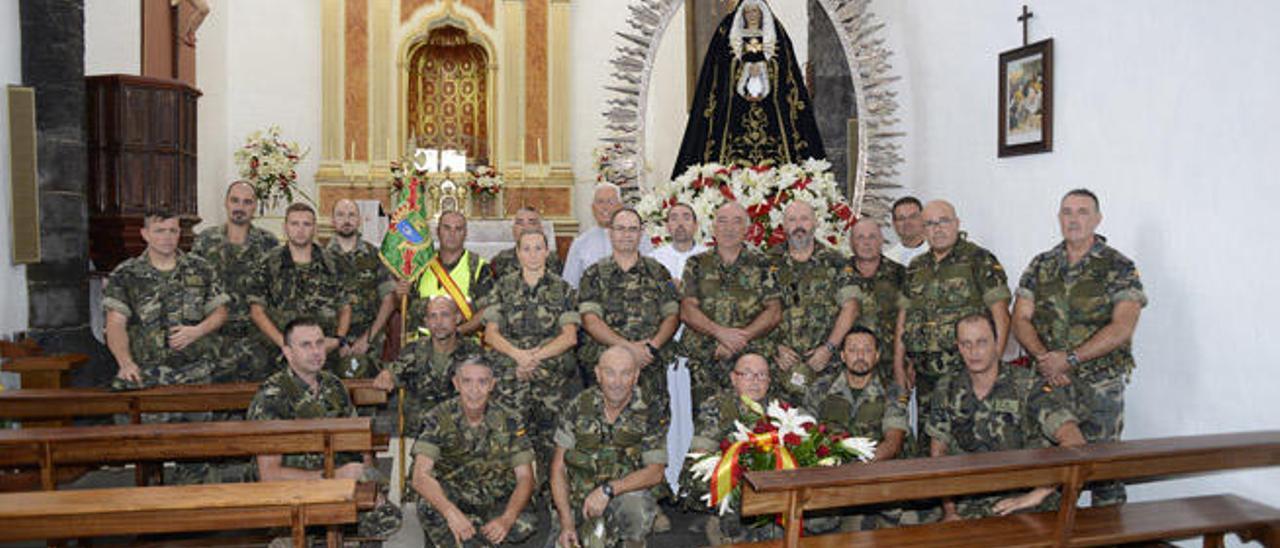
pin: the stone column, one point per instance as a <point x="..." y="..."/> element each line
<point x="57" y="287"/>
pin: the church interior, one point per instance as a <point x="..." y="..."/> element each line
<point x="1160" y="108"/>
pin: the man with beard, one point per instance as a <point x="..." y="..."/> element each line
<point x="361" y="273"/>
<point x="233" y="249"/>
<point x="879" y="282"/>
<point x="473" y="466"/>
<point x="818" y="301"/>
<point x="955" y="279"/>
<point x="610" y="455"/>
<point x="730" y="301"/>
<point x="682" y="228"/>
<point x="297" y="280"/>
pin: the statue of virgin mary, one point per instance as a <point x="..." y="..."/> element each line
<point x="751" y="106"/>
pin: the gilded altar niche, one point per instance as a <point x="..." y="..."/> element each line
<point x="446" y="100"/>
<point x="489" y="77"/>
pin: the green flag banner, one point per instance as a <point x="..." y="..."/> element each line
<point x="407" y="246"/>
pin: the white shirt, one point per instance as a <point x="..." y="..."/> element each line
<point x="674" y="259"/>
<point x="588" y="248"/>
<point x="902" y="254"/>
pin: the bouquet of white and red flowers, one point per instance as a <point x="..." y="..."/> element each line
<point x="779" y="437"/>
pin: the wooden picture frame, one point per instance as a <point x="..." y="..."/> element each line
<point x="1026" y="100"/>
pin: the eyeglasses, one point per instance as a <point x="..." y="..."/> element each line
<point x="752" y="376"/>
<point x="939" y="223"/>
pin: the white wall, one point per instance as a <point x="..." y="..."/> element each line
<point x="13" y="278"/>
<point x="112" y="37"/>
<point x="1167" y="111"/>
<point x="258" y="64"/>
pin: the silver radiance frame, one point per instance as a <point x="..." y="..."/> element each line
<point x="878" y="152"/>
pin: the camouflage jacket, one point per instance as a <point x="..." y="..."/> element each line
<point x="730" y="295"/>
<point x="1020" y="412"/>
<point x="288" y="290"/>
<point x="812" y="293"/>
<point x="878" y="299"/>
<point x="426" y="376"/>
<point x="366" y="280"/>
<point x="470" y="273"/>
<point x="1073" y="302"/>
<point x="633" y="303"/>
<point x="871" y="411"/>
<point x="474" y="464"/>
<point x="597" y="451"/>
<point x="506" y="262"/>
<point x="153" y="302"/>
<point x="531" y="316"/>
<point x="235" y="265"/>
<point x="937" y="294"/>
<point x="715" y="416"/>
<point x="285" y="396"/>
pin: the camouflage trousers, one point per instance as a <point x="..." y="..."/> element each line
<point x="627" y="518"/>
<point x="868" y="518"/>
<point x="358" y="366"/>
<point x="930" y="367"/>
<point x="164" y="375"/>
<point x="707" y="378"/>
<point x="977" y="507"/>
<point x="249" y="359"/>
<point x="1099" y="404"/>
<point x="735" y="528"/>
<point x="437" y="531"/>
<point x="539" y="402"/>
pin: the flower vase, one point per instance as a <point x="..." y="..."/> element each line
<point x="485" y="205"/>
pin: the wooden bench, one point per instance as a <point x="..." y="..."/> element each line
<point x="52" y="449"/>
<point x="792" y="492"/>
<point x="177" y="509"/>
<point x="87" y="402"/>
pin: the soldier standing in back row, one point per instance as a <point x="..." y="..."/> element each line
<point x="628" y="300"/>
<point x="361" y="273"/>
<point x="163" y="310"/>
<point x="956" y="278"/>
<point x="299" y="279"/>
<point x="879" y="280"/>
<point x="818" y="302"/>
<point x="1077" y="308"/>
<point x="233" y="250"/>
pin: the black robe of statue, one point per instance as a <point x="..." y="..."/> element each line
<point x="726" y="128"/>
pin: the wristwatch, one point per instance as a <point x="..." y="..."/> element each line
<point x="344" y="341"/>
<point x="830" y="347"/>
<point x="652" y="349"/>
<point x="607" y="489"/>
<point x="1073" y="360"/>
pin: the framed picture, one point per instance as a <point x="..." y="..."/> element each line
<point x="1026" y="100"/>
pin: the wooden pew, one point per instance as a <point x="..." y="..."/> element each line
<point x="177" y="509"/>
<point x="51" y="449"/>
<point x="792" y="492"/>
<point x="86" y="402"/>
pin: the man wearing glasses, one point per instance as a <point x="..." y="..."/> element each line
<point x="957" y="278"/>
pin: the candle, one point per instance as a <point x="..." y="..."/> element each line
<point x="540" y="162"/>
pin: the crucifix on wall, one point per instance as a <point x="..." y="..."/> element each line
<point x="1025" y="104"/>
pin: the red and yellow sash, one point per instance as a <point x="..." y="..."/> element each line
<point x="450" y="287"/>
<point x="728" y="472"/>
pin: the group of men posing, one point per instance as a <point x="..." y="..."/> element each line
<point x="568" y="392"/>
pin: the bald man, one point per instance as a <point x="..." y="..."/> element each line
<point x="956" y="278"/>
<point x="879" y="280"/>
<point x="371" y="287"/>
<point x="730" y="300"/>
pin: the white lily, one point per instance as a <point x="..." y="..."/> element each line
<point x="864" y="448"/>
<point x="789" y="421"/>
<point x="704" y="466"/>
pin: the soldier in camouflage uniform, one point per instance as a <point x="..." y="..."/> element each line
<point x="730" y="301"/>
<point x="609" y="459"/>
<point x="996" y="407"/>
<point x="233" y="250"/>
<point x="527" y="218"/>
<point x="879" y="281"/>
<point x="818" y="302"/>
<point x="299" y="280"/>
<point x="635" y="306"/>
<point x="371" y="288"/>
<point x="424" y="367"/>
<point x="473" y="467"/>
<point x="531" y="321"/>
<point x="1078" y="305"/>
<point x="955" y="279"/>
<point x="860" y="401"/>
<point x="304" y="390"/>
<point x="163" y="310"/>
